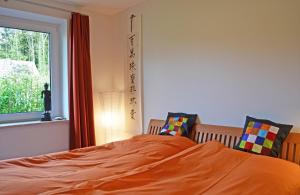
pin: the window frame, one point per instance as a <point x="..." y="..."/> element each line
<point x="54" y="63"/>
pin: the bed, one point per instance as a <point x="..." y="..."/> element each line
<point x="229" y="136"/>
<point x="151" y="164"/>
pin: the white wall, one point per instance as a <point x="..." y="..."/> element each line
<point x="102" y="67"/>
<point x="220" y="59"/>
<point x="33" y="139"/>
<point x="107" y="71"/>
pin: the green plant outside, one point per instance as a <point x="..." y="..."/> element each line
<point x="20" y="91"/>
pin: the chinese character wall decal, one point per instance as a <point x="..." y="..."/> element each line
<point x="132" y="78"/>
<point x="131" y="22"/>
<point x="132" y="89"/>
<point x="131" y="38"/>
<point x="132" y="66"/>
<point x="133" y="74"/>
<point x="132" y="53"/>
<point x="132" y="114"/>
<point x="132" y="100"/>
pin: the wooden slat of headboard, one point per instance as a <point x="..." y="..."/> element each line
<point x="283" y="154"/>
<point x="297" y="156"/>
<point x="291" y="148"/>
<point x="230" y="136"/>
<point x="155" y="126"/>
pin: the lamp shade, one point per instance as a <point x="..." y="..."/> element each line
<point x="112" y="115"/>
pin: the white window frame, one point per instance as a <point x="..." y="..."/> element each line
<point x="58" y="66"/>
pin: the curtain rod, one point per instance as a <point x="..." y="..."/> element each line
<point x="44" y="5"/>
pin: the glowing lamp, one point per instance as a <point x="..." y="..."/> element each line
<point x="112" y="115"/>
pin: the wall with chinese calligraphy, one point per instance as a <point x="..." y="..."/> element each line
<point x="133" y="72"/>
<point x="220" y="59"/>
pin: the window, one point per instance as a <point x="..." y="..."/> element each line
<point x="24" y="69"/>
<point x="33" y="51"/>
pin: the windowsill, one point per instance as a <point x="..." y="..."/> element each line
<point x="19" y="124"/>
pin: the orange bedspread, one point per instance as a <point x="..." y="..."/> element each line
<point x="151" y="165"/>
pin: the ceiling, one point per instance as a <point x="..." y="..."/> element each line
<point x="102" y="6"/>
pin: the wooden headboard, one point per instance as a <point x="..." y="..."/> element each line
<point x="229" y="136"/>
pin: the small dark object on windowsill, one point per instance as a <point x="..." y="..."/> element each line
<point x="46" y="116"/>
<point x="46" y="94"/>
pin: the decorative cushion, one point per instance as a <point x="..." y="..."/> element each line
<point x="263" y="137"/>
<point x="178" y="124"/>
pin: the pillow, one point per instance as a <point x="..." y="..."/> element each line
<point x="178" y="124"/>
<point x="263" y="137"/>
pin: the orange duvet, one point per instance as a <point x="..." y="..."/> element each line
<point x="151" y="165"/>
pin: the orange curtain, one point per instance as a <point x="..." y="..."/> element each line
<point x="82" y="132"/>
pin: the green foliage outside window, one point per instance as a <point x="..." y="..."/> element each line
<point x="24" y="68"/>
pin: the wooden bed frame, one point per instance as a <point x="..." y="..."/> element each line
<point x="229" y="136"/>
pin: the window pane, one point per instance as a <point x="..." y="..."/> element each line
<point x="24" y="69"/>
